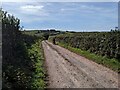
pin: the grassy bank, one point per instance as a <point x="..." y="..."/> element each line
<point x="38" y="75"/>
<point x="22" y="56"/>
<point x="110" y="63"/>
<point x="24" y="68"/>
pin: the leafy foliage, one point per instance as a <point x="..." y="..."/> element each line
<point x="102" y="43"/>
<point x="22" y="59"/>
<point x="101" y="47"/>
<point x="110" y="63"/>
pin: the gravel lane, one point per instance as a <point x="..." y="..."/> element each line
<point x="69" y="70"/>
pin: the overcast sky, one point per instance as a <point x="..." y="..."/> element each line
<point x="78" y="16"/>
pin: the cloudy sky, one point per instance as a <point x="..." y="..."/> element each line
<point x="78" y="16"/>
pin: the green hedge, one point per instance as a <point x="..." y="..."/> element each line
<point x="22" y="59"/>
<point x="101" y="43"/>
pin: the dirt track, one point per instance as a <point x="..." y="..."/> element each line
<point x="69" y="70"/>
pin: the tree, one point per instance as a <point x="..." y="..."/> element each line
<point x="46" y="36"/>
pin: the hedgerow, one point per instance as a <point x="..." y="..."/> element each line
<point x="22" y="61"/>
<point x="101" y="43"/>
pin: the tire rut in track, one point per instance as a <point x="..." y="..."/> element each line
<point x="66" y="72"/>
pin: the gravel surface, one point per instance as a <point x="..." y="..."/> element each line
<point x="69" y="70"/>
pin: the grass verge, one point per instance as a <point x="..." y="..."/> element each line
<point x="38" y="75"/>
<point x="113" y="64"/>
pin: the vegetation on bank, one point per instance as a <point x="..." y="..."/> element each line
<point x="38" y="74"/>
<point x="110" y="63"/>
<point x="25" y="70"/>
<point x="101" y="47"/>
<point x="101" y="43"/>
<point x="22" y="57"/>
